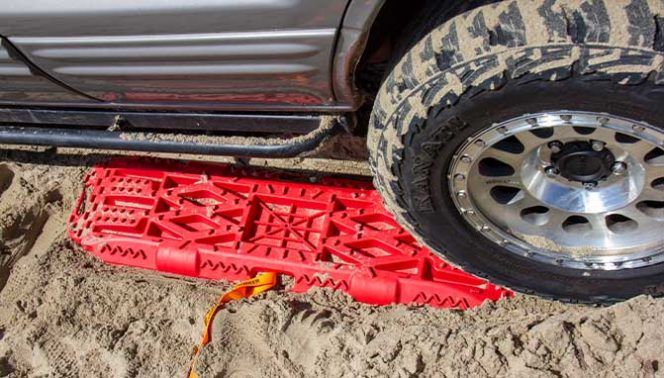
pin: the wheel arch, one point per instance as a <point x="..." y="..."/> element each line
<point x="377" y="33"/>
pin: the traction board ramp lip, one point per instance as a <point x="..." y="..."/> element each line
<point x="217" y="221"/>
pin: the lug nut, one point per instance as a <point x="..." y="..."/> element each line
<point x="555" y="146"/>
<point x="597" y="145"/>
<point x="619" y="168"/>
<point x="551" y="171"/>
<point x="590" y="185"/>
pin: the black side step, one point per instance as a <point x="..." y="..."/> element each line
<point x="168" y="143"/>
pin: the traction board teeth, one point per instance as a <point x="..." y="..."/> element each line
<point x="334" y="233"/>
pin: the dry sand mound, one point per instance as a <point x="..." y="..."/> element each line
<point x="62" y="313"/>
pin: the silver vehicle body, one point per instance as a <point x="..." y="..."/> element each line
<point x="235" y="55"/>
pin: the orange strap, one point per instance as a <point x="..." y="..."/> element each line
<point x="262" y="282"/>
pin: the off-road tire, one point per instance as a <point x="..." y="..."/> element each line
<point x="494" y="63"/>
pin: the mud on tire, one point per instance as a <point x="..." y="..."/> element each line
<point x="492" y="64"/>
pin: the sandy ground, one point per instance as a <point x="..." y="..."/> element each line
<point x="62" y="313"/>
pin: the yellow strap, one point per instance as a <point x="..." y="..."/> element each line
<point x="262" y="282"/>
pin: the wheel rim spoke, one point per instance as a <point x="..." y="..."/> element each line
<point x="557" y="218"/>
<point x="637" y="150"/>
<point x="654" y="182"/>
<point x="530" y="141"/>
<point x="514" y="160"/>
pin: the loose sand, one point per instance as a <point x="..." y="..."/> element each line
<point x="62" y="313"/>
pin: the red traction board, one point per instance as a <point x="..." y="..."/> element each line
<point x="222" y="222"/>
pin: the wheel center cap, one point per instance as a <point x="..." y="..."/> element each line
<point x="578" y="161"/>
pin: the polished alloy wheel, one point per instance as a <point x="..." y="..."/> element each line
<point x="576" y="189"/>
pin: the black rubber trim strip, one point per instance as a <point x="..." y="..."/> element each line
<point x="97" y="139"/>
<point x="197" y="122"/>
